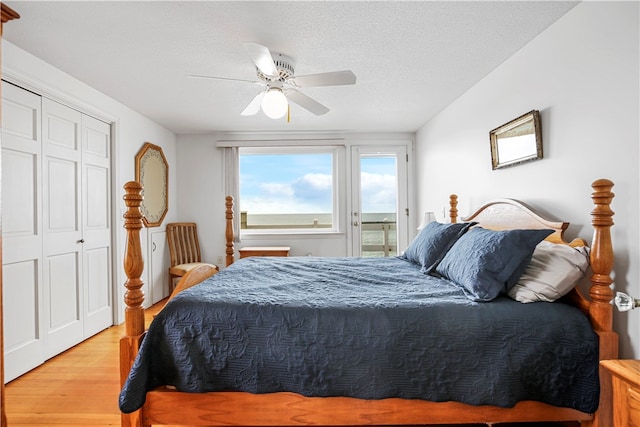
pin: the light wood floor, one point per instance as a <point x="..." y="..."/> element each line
<point x="80" y="387"/>
<point x="76" y="388"/>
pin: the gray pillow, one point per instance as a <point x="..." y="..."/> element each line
<point x="433" y="242"/>
<point x="486" y="263"/>
<point x="553" y="271"/>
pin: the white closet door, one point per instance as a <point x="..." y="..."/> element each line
<point x="96" y="191"/>
<point x="57" y="266"/>
<point x="22" y="231"/>
<point x="63" y="265"/>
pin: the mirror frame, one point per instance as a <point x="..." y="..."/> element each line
<point x="152" y="171"/>
<point x="510" y="129"/>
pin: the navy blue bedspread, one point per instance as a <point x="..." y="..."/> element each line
<point x="366" y="328"/>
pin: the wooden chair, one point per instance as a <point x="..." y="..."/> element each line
<point x="184" y="249"/>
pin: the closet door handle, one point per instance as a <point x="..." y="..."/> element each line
<point x="80" y="241"/>
<point x="153" y="245"/>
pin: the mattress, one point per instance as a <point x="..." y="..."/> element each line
<point x="369" y="328"/>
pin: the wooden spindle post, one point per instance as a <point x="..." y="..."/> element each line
<point x="229" y="230"/>
<point x="133" y="260"/>
<point x="133" y="296"/>
<point x="602" y="255"/>
<point x="600" y="309"/>
<point x="453" y="208"/>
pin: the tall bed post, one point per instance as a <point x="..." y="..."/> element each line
<point x="229" y="229"/>
<point x="133" y="296"/>
<point x="602" y="256"/>
<point x="133" y="260"/>
<point x="600" y="309"/>
<point x="453" y="208"/>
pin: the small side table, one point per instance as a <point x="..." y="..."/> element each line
<point x="264" y="251"/>
<point x="626" y="391"/>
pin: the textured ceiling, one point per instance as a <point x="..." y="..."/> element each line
<point x="411" y="59"/>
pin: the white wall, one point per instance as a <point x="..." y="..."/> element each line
<point x="582" y="74"/>
<point x="131" y="131"/>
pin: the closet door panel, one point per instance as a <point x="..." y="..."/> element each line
<point x="23" y="341"/>
<point x="62" y="275"/>
<point x="98" y="300"/>
<point x="20" y="221"/>
<point x="21" y="118"/>
<point x="22" y="231"/>
<point x="62" y="189"/>
<point x="21" y="155"/>
<point x="96" y="191"/>
<point x="62" y="233"/>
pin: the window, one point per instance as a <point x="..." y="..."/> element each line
<point x="287" y="189"/>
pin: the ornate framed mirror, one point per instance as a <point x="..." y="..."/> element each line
<point x="152" y="171"/>
<point x="516" y="142"/>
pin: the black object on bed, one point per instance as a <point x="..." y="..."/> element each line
<point x="369" y="328"/>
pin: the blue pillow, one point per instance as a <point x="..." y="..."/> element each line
<point x="486" y="263"/>
<point x="433" y="242"/>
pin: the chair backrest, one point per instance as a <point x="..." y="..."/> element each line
<point x="182" y="238"/>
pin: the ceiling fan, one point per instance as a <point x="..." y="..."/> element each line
<point x="280" y="84"/>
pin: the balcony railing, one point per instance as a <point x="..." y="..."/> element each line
<point x="379" y="239"/>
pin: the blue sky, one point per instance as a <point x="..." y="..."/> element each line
<point x="301" y="183"/>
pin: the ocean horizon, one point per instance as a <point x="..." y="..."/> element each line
<point x="322" y="219"/>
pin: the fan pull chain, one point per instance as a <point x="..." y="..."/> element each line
<point x="288" y="113"/>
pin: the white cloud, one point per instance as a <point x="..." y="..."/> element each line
<point x="378" y="192"/>
<point x="277" y="189"/>
<point x="315" y="181"/>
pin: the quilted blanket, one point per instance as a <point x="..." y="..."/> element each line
<point x="364" y="328"/>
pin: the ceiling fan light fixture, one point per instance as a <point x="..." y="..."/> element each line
<point x="274" y="103"/>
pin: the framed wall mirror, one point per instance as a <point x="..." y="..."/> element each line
<point x="516" y="142"/>
<point x="152" y="171"/>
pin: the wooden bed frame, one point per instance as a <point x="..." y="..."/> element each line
<point x="166" y="406"/>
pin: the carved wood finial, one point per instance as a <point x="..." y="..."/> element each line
<point x="8" y="14"/>
<point x="453" y="210"/>
<point x="133" y="260"/>
<point x="229" y="230"/>
<point x="602" y="256"/>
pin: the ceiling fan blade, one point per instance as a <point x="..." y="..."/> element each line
<point x="197" y="76"/>
<point x="335" y="78"/>
<point x="305" y="102"/>
<point x="261" y="56"/>
<point x="254" y="105"/>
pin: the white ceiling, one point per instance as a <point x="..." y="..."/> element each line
<point x="411" y="58"/>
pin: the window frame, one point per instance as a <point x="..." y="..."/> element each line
<point x="337" y="153"/>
